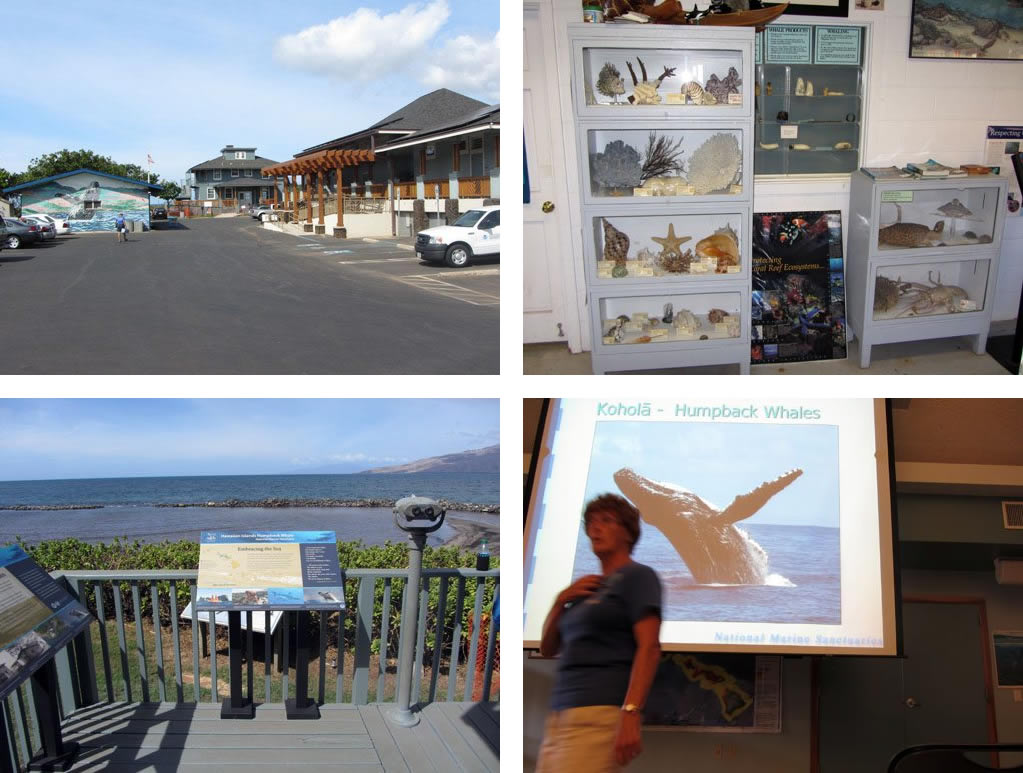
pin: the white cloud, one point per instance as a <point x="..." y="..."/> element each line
<point x="467" y="64"/>
<point x="365" y="44"/>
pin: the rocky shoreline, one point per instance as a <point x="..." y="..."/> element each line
<point x="273" y="502"/>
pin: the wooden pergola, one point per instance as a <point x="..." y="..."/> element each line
<point x="314" y="164"/>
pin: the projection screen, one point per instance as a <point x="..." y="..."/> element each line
<point x="769" y="522"/>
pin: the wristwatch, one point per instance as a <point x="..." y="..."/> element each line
<point x="632" y="708"/>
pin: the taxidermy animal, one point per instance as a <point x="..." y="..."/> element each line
<point x="645" y="92"/>
<point x="900" y="234"/>
<point x="705" y="536"/>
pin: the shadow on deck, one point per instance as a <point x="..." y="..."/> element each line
<point x="166" y="737"/>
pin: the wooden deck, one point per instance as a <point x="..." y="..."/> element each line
<point x="167" y="737"/>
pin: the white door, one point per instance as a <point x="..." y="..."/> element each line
<point x="549" y="307"/>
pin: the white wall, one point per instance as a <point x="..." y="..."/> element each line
<point x="916" y="109"/>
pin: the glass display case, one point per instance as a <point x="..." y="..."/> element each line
<point x="663" y="162"/>
<point x="666" y="192"/>
<point x="620" y="70"/>
<point x="809" y="98"/>
<point x="923" y="253"/>
<point x="905" y="290"/>
<point x="666" y="247"/>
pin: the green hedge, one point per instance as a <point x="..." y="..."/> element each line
<point x="71" y="554"/>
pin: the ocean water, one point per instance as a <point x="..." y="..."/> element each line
<point x="129" y="505"/>
<point x="474" y="488"/>
<point x="804" y="584"/>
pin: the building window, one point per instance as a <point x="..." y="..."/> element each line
<point x="211" y="193"/>
<point x="228" y="193"/>
<point x="248" y="173"/>
<point x="266" y="193"/>
<point x="239" y="154"/>
<point x="235" y="172"/>
<point x="217" y="175"/>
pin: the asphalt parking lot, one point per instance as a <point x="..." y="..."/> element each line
<point x="225" y="296"/>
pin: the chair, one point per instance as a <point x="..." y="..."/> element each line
<point x="948" y="758"/>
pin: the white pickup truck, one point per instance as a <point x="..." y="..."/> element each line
<point x="477" y="232"/>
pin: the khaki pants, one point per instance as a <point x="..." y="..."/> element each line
<point x="580" y="740"/>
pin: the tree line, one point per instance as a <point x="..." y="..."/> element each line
<point x="66" y="160"/>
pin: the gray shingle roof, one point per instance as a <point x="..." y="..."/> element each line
<point x="235" y="163"/>
<point x="428" y="110"/>
<point x="482" y="117"/>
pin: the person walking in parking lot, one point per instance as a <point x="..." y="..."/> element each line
<point x="122" y="227"/>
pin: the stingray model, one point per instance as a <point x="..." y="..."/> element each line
<point x="704" y="535"/>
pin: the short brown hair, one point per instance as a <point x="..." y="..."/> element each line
<point x="622" y="509"/>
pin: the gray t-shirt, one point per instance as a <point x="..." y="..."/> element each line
<point x="597" y="643"/>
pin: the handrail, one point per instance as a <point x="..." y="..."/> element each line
<point x="104" y="665"/>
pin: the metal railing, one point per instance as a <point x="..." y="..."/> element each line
<point x="456" y="648"/>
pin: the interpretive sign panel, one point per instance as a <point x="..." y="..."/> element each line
<point x="837" y="45"/>
<point x="37" y="617"/>
<point x="788" y="45"/>
<point x="258" y="570"/>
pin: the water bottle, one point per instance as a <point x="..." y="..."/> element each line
<point x="483" y="557"/>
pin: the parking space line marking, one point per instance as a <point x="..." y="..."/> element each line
<point x="376" y="260"/>
<point x="434" y="285"/>
<point x="458" y="274"/>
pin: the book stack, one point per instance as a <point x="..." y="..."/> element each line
<point x="932" y="168"/>
<point x="885" y="172"/>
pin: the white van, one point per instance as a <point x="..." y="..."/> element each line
<point x="477" y="232"/>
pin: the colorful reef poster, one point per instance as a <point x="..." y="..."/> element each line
<point x="263" y="570"/>
<point x="798" y="297"/>
<point x="37" y="617"/>
<point x="714" y="691"/>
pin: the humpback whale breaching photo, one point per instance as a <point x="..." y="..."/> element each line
<point x="741" y="521"/>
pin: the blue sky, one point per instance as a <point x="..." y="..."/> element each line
<point x="124" y="79"/>
<point x="719" y="461"/>
<point x="52" y="439"/>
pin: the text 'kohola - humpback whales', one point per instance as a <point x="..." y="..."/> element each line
<point x="705" y="537"/>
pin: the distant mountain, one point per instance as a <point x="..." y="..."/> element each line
<point x="478" y="460"/>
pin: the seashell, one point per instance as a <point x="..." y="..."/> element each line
<point x="800" y="87"/>
<point x="769" y="145"/>
<point x="716" y="315"/>
<point x="800" y="146"/>
<point x="722" y="247"/>
<point x="843" y="146"/>
<point x="616" y="243"/>
<point x="696" y="94"/>
<point x="704" y="337"/>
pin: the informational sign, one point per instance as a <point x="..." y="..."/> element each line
<point x="788" y="44"/>
<point x="758" y="48"/>
<point x="837" y="45"/>
<point x="798" y="297"/>
<point x="37" y="617"/>
<point x="1002" y="143"/>
<point x="260" y="570"/>
<point x="898" y="197"/>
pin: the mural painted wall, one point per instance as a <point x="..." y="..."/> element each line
<point x="91" y="201"/>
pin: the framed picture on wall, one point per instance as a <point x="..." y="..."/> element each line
<point x="816" y="8"/>
<point x="955" y="29"/>
<point x="1008" y="647"/>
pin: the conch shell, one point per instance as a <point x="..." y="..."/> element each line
<point x="721" y="246"/>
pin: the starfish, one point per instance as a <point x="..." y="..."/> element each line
<point x="671" y="242"/>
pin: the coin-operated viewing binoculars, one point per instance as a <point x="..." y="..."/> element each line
<point x="418" y="516"/>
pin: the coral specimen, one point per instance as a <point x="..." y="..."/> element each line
<point x="715" y="164"/>
<point x="645" y="92"/>
<point x="617" y="167"/>
<point x="662" y="156"/>
<point x="677" y="263"/>
<point x="716" y="315"/>
<point x="720" y="89"/>
<point x="610" y="83"/>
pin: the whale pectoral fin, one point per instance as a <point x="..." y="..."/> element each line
<point x="631" y="482"/>
<point x="745" y="505"/>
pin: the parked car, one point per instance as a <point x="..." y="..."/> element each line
<point x="264" y="209"/>
<point x="19" y="232"/>
<point x="159" y="214"/>
<point x="477" y="232"/>
<point x="48" y="231"/>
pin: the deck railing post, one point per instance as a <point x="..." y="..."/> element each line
<point x="8" y="759"/>
<point x="401" y="715"/>
<point x="301" y="707"/>
<point x="236" y="706"/>
<point x="56" y="754"/>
